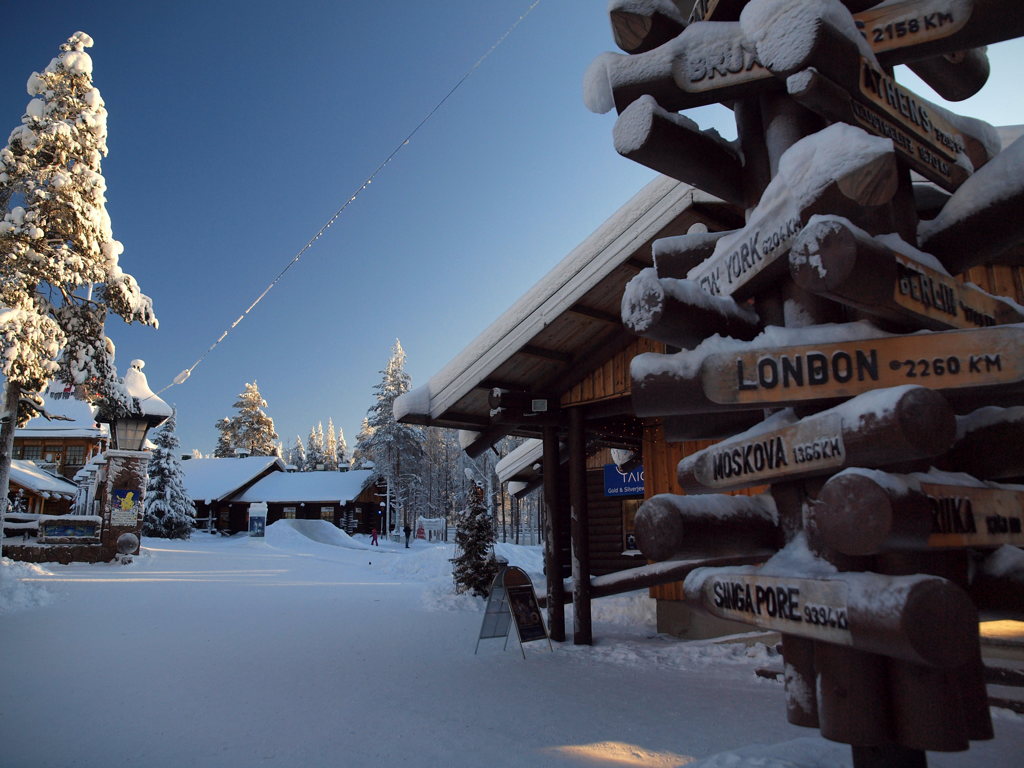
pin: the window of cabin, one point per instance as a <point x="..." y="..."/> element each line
<point x="289" y="513"/>
<point x="32" y="452"/>
<point x="327" y="513"/>
<point x="74" y="454"/>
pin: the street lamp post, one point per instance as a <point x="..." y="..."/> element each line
<point x="123" y="489"/>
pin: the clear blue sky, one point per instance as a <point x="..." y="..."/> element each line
<point x="237" y="129"/>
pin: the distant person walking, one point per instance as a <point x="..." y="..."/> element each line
<point x="373" y="537"/>
<point x="408" y="532"/>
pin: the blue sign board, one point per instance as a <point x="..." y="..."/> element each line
<point x="618" y="483"/>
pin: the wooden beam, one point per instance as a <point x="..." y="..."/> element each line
<point x="546" y="354"/>
<point x="582" y="628"/>
<point x="595" y="314"/>
<point x="552" y="536"/>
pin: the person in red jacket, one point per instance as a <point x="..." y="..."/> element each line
<point x="373" y="537"/>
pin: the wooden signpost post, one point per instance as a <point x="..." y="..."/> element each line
<point x="872" y="583"/>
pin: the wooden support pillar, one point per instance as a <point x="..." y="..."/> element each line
<point x="553" y="536"/>
<point x="581" y="632"/>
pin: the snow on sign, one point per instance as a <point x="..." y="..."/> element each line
<point x="619" y="483"/>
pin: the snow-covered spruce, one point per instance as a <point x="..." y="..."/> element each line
<point x="59" y="262"/>
<point x="474" y="567"/>
<point x="250" y="430"/>
<point x="395" y="450"/>
<point x="169" y="511"/>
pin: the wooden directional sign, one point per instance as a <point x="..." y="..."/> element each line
<point x="873" y="430"/>
<point x="921" y="136"/>
<point x="638" y="25"/>
<point x="832" y="259"/>
<point x="968" y="516"/>
<point x="710" y="63"/>
<point x="669" y="526"/>
<point x="680" y="314"/>
<point x="867" y="513"/>
<point x="927" y="620"/>
<point x="925" y="139"/>
<point x="703" y="65"/>
<point x="677" y="255"/>
<point x="751" y="258"/>
<point x="672" y="144"/>
<point x="953" y="362"/>
<point x="916" y="29"/>
<point x="949" y="360"/>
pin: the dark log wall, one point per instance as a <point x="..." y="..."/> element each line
<point x="998" y="280"/>
<point x="606" y="535"/>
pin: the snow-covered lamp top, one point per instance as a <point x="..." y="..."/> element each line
<point x="138" y="387"/>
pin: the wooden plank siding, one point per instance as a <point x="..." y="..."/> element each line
<point x="611" y="379"/>
<point x="998" y="279"/>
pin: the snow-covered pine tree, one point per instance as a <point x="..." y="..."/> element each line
<point x="225" y="440"/>
<point x="330" y="447"/>
<point x="394" y="448"/>
<point x="169" y="512"/>
<point x="360" y="459"/>
<point x="315" y="449"/>
<point x="59" y="270"/>
<point x="253" y="430"/>
<point x="297" y="455"/>
<point x="474" y="567"/>
<point x="343" y="458"/>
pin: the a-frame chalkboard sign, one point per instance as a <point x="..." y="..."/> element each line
<point x="512" y="601"/>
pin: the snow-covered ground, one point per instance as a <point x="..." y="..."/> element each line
<point x="310" y="648"/>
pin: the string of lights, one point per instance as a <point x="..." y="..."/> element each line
<point x="182" y="377"/>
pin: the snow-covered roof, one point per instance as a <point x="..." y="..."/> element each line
<point x="217" y="479"/>
<point x="60" y="401"/>
<point x="29" y="475"/>
<point x="519" y="459"/>
<point x="340" y="487"/>
<point x="570" y="286"/>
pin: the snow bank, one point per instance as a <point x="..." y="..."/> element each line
<point x="798" y="753"/>
<point x="294" y="534"/>
<point x="16" y="592"/>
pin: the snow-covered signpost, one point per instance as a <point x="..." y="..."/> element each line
<point x="871" y="585"/>
<point x="60" y="272"/>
